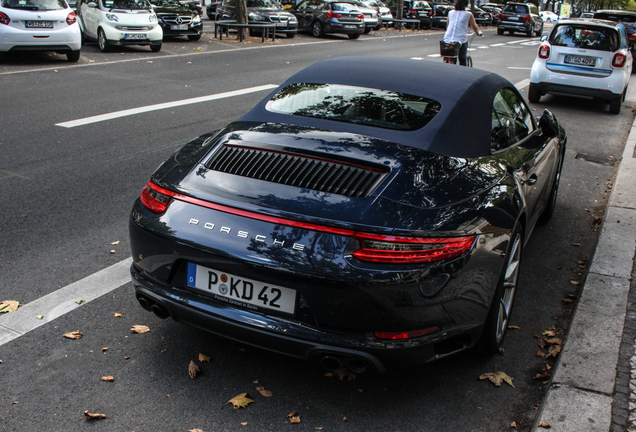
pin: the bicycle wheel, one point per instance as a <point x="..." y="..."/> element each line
<point x="469" y="61"/>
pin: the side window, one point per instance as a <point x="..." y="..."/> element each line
<point x="511" y="120"/>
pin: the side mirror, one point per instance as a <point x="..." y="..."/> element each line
<point x="544" y="38"/>
<point x="549" y="124"/>
<point x="91" y="5"/>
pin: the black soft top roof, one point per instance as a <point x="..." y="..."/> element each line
<point x="462" y="128"/>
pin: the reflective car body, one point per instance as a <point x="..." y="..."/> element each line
<point x="494" y="12"/>
<point x="584" y="57"/>
<point x="347" y="219"/>
<point x="482" y="17"/>
<point x="549" y="16"/>
<point x="384" y="13"/>
<point x="520" y="17"/>
<point x="371" y="16"/>
<point x="262" y="11"/>
<point x="119" y="22"/>
<point x="324" y="16"/>
<point x="39" y="25"/>
<point x="176" y="19"/>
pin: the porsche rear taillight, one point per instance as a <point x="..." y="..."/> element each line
<point x="71" y="18"/>
<point x="544" y="51"/>
<point x="619" y="60"/>
<point x="332" y="14"/>
<point x="4" y="18"/>
<point x="156" y="198"/>
<point x="407" y="334"/>
<point x="409" y="250"/>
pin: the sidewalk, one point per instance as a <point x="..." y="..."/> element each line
<point x="593" y="387"/>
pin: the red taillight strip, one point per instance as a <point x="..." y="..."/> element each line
<point x="427" y="240"/>
<point x="262" y="217"/>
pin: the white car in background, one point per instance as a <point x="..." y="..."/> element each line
<point x="39" y="25"/>
<point x="583" y="58"/>
<point x="549" y="16"/>
<point x="119" y="22"/>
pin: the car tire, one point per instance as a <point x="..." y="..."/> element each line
<point x="548" y="212"/>
<point x="103" y="43"/>
<point x="194" y="38"/>
<point x="73" y="56"/>
<point x="317" y="30"/>
<point x="540" y="32"/>
<point x="498" y="318"/>
<point x="290" y="35"/>
<point x="511" y="32"/>
<point x="155" y="48"/>
<point x="615" y="105"/>
<point x="367" y="30"/>
<point x="210" y="17"/>
<point x="530" y="31"/>
<point x="353" y="35"/>
<point x="500" y="32"/>
<point x="533" y="95"/>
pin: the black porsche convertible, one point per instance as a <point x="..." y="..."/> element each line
<point x="364" y="220"/>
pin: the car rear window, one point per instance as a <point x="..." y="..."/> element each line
<point x="521" y="9"/>
<point x="41" y="5"/>
<point x="585" y="37"/>
<point x="358" y="105"/>
<point x="615" y="17"/>
<point x="344" y="7"/>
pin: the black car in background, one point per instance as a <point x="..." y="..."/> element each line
<point x="440" y="13"/>
<point x="482" y="17"/>
<point x="520" y="17"/>
<point x="262" y="11"/>
<point x="323" y="16"/>
<point x="210" y="10"/>
<point x="176" y="19"/>
<point x="414" y="9"/>
<point x="494" y="12"/>
<point x="346" y="219"/>
<point x="629" y="22"/>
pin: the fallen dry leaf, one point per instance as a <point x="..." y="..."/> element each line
<point x="79" y="302"/>
<point x="542" y="374"/>
<point x="549" y="333"/>
<point x="140" y="329"/>
<point x="195" y="430"/>
<point x="108" y="378"/>
<point x="240" y="401"/>
<point x="345" y="374"/>
<point x="294" y="419"/>
<point x="94" y="416"/>
<point x="545" y="425"/>
<point x="193" y="370"/>
<point x="345" y="419"/>
<point x="554" y="351"/>
<point x="497" y="378"/>
<point x="115" y="242"/>
<point x="264" y="392"/>
<point x="7" y="306"/>
<point x="73" y="335"/>
<point x="117" y="315"/>
<point x="514" y="327"/>
<point x="204" y="358"/>
<point x="39" y="317"/>
<point x="243" y="423"/>
<point x="540" y="354"/>
<point x="112" y="251"/>
<point x="513" y="425"/>
<point x="104" y="349"/>
<point x="575" y="282"/>
<point x="566" y="300"/>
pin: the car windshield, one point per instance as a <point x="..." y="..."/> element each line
<point x="127" y="4"/>
<point x="521" y="9"/>
<point x="41" y="5"/>
<point x="358" y="105"/>
<point x="166" y="3"/>
<point x="585" y="37"/>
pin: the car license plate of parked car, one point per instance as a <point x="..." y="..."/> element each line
<point x="349" y="26"/>
<point x="240" y="291"/>
<point x="39" y="24"/>
<point x="281" y="24"/>
<point x="513" y="18"/>
<point x="585" y="61"/>
<point x="179" y="27"/>
<point x="134" y="36"/>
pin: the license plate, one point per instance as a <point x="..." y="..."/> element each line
<point x="585" y="61"/>
<point x="179" y="27"/>
<point x="281" y="24"/>
<point x="135" y="36"/>
<point x="350" y="26"/>
<point x="39" y="24"/>
<point x="513" y="18"/>
<point x="239" y="291"/>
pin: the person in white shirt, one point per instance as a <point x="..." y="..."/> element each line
<point x="457" y="29"/>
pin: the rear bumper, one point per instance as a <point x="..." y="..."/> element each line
<point x="546" y="87"/>
<point x="66" y="39"/>
<point x="515" y="26"/>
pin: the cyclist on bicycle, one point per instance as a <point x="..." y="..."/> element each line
<point x="457" y="29"/>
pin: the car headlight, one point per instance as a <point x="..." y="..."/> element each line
<point x="196" y="19"/>
<point x="256" y="17"/>
<point x="293" y="20"/>
<point x="152" y="18"/>
<point x="112" y="17"/>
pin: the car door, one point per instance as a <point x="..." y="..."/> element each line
<point x="514" y="130"/>
<point x="88" y="18"/>
<point x="305" y="14"/>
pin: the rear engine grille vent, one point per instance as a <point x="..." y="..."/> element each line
<point x="303" y="171"/>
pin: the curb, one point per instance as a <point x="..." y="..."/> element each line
<point x="581" y="392"/>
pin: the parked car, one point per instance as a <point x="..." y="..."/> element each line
<point x="587" y="15"/>
<point x="262" y="11"/>
<point x="627" y="18"/>
<point x="494" y="12"/>
<point x="210" y="10"/>
<point x="384" y="13"/>
<point x="482" y="17"/>
<point x="324" y="16"/>
<point x="371" y="16"/>
<point x="584" y="58"/>
<point x="440" y="13"/>
<point x="39" y="25"/>
<point x="193" y="5"/>
<point x="414" y="9"/>
<point x="177" y="20"/>
<point x="347" y="219"/>
<point x="119" y="22"/>
<point x="520" y="17"/>
<point x="549" y="16"/>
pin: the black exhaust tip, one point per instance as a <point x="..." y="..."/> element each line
<point x="145" y="303"/>
<point x="159" y="311"/>
<point x="357" y="366"/>
<point x="330" y="363"/>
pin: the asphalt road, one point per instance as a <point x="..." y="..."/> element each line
<point x="65" y="198"/>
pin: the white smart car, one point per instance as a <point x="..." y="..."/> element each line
<point x="39" y="25"/>
<point x="119" y="22"/>
<point x="584" y="58"/>
<point x="548" y="16"/>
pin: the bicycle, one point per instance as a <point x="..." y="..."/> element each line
<point x="450" y="51"/>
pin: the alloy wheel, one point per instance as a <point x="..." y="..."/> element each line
<point x="509" y="287"/>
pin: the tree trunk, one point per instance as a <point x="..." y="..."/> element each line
<point x="399" y="14"/>
<point x="241" y="16"/>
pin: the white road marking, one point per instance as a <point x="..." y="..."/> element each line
<point x="519" y="67"/>
<point x="536" y="42"/>
<point x="54" y="305"/>
<point x="433" y="55"/>
<point x="498" y="45"/>
<point x="519" y="41"/>
<point x="523" y="83"/>
<point x="133" y="111"/>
